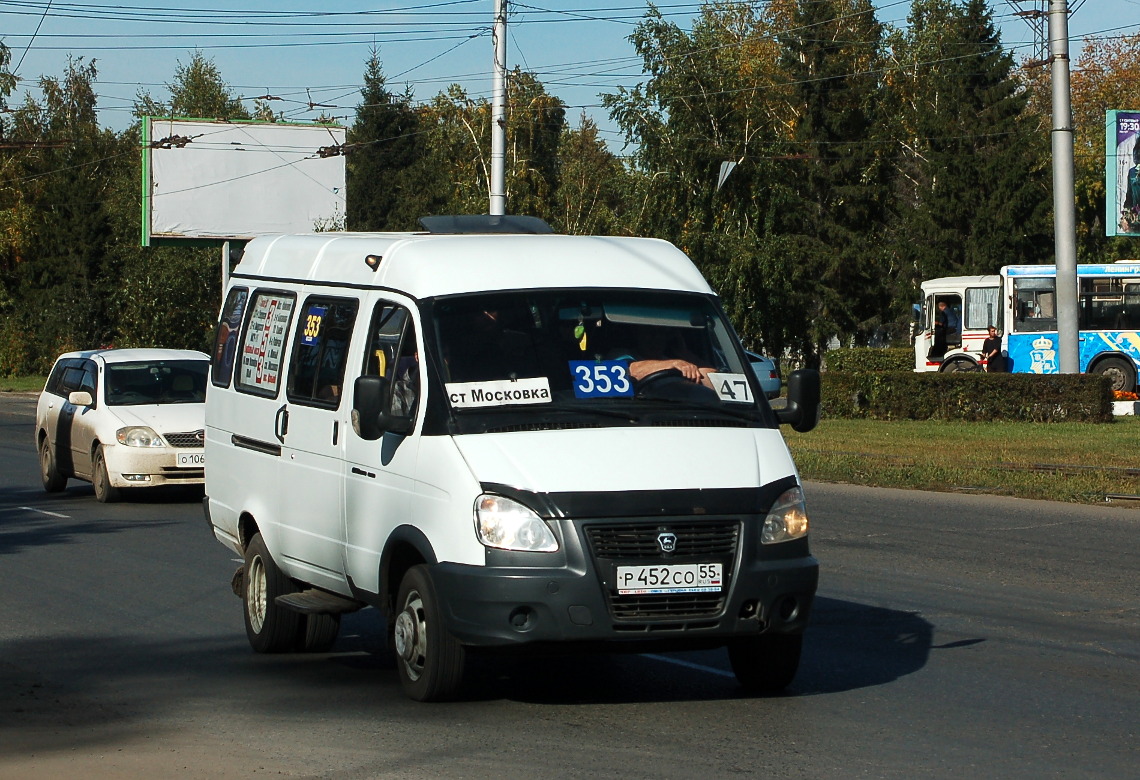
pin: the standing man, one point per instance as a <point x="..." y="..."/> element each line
<point x="991" y="352"/>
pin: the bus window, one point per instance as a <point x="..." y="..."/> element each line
<point x="1106" y="304"/>
<point x="1035" y="304"/>
<point x="982" y="308"/>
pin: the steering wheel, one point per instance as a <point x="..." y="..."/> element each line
<point x="659" y="375"/>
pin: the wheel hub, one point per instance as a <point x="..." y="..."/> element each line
<point x="405" y="635"/>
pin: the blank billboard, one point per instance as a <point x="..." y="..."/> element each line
<point x="208" y="180"/>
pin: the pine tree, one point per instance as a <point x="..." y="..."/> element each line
<point x="384" y="143"/>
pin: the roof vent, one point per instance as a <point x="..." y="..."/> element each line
<point x="485" y="223"/>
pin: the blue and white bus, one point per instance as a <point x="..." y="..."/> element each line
<point x="1021" y="302"/>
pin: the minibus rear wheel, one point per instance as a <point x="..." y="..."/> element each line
<point x="269" y="627"/>
<point x="318" y="633"/>
<point x="429" y="659"/>
<point x="766" y="664"/>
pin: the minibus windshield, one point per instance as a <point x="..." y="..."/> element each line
<point x="608" y="357"/>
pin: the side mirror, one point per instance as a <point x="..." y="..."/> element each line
<point x="80" y="398"/>
<point x="802" y="409"/>
<point x="371" y="399"/>
<point x="368" y="396"/>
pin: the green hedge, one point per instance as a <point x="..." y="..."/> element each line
<point x="967" y="396"/>
<point x="870" y="359"/>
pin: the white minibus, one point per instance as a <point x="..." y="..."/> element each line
<point x="502" y="438"/>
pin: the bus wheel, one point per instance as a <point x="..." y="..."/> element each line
<point x="1123" y="376"/>
<point x="960" y="364"/>
<point x="429" y="659"/>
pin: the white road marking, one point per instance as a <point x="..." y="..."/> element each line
<point x="689" y="665"/>
<point x="45" y="512"/>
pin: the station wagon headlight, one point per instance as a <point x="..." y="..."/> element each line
<point x="139" y="436"/>
<point x="787" y="519"/>
<point x="508" y="525"/>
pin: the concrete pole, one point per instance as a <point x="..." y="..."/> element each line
<point x="499" y="113"/>
<point x="1064" y="211"/>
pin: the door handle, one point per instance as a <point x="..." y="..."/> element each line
<point x="281" y="423"/>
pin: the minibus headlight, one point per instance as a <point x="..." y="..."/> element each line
<point x="508" y="525"/>
<point x="787" y="519"/>
<point x="139" y="436"/>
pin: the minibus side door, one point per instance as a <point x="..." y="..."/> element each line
<point x="317" y="417"/>
<point x="380" y="473"/>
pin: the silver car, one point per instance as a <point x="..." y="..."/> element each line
<point x="123" y="418"/>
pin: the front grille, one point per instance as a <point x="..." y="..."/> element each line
<point x="639" y="540"/>
<point x="681" y="605"/>
<point x="636" y="543"/>
<point x="188" y="439"/>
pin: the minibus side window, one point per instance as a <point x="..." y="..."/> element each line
<point x="320" y="351"/>
<point x="225" y="339"/>
<point x="262" y="346"/>
<point x="392" y="353"/>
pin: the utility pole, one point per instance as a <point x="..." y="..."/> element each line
<point x="1064" y="210"/>
<point x="499" y="113"/>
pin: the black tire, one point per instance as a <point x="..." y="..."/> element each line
<point x="1120" y="371"/>
<point x="766" y="664"/>
<point x="53" y="481"/>
<point x="960" y="365"/>
<point x="270" y="628"/>
<point x="430" y="661"/>
<point x="317" y="633"/>
<point x="105" y="492"/>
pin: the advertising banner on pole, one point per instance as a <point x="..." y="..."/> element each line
<point x="1122" y="173"/>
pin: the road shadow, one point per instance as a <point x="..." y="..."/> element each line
<point x="122" y="684"/>
<point x="847" y="646"/>
<point x="36" y="520"/>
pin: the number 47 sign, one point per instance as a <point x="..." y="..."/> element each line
<point x="731" y="387"/>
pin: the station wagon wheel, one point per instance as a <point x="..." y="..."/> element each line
<point x="105" y="492"/>
<point x="766" y="664"/>
<point x="1117" y="369"/>
<point x="53" y="481"/>
<point x="430" y="661"/>
<point x="269" y="628"/>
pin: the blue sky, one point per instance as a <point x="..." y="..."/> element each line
<point x="304" y="54"/>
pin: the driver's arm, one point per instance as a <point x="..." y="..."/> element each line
<point x="639" y="369"/>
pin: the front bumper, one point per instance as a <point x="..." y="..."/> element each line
<point x="767" y="589"/>
<point x="133" y="467"/>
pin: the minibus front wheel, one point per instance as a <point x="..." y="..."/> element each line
<point x="429" y="659"/>
<point x="766" y="664"/>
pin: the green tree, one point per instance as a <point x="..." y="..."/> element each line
<point x="972" y="193"/>
<point x="384" y="142"/>
<point x="592" y="186"/>
<point x="64" y="274"/>
<point x="833" y="55"/>
<point x="1105" y="77"/>
<point x="198" y="90"/>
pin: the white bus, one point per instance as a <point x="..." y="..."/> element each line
<point x="1021" y="302"/>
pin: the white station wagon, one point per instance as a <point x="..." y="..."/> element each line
<point x="123" y="418"/>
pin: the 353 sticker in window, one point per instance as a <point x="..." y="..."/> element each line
<point x="601" y="379"/>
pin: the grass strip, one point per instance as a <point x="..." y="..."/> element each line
<point x="1074" y="462"/>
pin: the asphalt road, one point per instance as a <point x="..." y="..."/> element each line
<point x="953" y="636"/>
